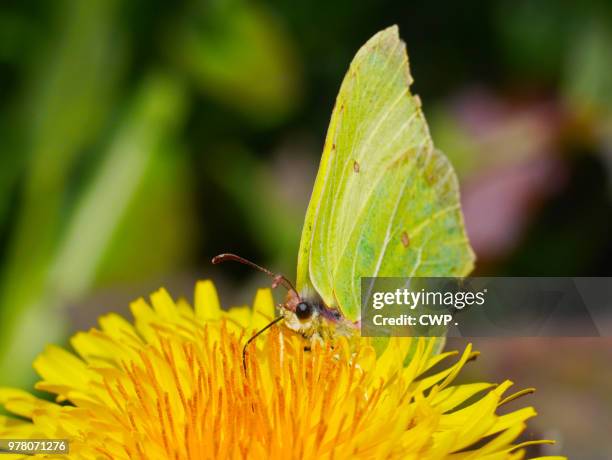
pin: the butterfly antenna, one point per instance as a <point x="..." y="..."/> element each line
<point x="257" y="334"/>
<point x="277" y="279"/>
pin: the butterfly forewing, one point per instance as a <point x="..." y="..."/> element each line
<point x="385" y="202"/>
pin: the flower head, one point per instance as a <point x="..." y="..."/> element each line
<point x="172" y="386"/>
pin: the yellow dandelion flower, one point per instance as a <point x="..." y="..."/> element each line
<point x="172" y="386"/>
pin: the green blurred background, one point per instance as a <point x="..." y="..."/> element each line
<point x="138" y="139"/>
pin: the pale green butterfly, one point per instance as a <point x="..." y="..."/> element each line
<point x="385" y="201"/>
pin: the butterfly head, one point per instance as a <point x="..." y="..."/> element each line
<point x="302" y="308"/>
<point x="308" y="315"/>
<point x="304" y="313"/>
<point x="299" y="313"/>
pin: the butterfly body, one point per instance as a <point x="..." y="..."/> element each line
<point x="310" y="317"/>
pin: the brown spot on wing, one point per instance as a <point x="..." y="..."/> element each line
<point x="401" y="160"/>
<point x="405" y="239"/>
<point x="356" y="166"/>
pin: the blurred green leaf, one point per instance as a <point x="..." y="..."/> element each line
<point x="588" y="72"/>
<point x="68" y="95"/>
<point x="158" y="231"/>
<point x="238" y="54"/>
<point x="132" y="156"/>
<point x="153" y="117"/>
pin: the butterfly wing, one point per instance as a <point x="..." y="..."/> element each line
<point x="385" y="202"/>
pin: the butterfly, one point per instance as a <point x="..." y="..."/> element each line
<point x="385" y="202"/>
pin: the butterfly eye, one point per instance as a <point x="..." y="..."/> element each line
<point x="303" y="310"/>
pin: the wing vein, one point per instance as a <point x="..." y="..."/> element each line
<point x="419" y="227"/>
